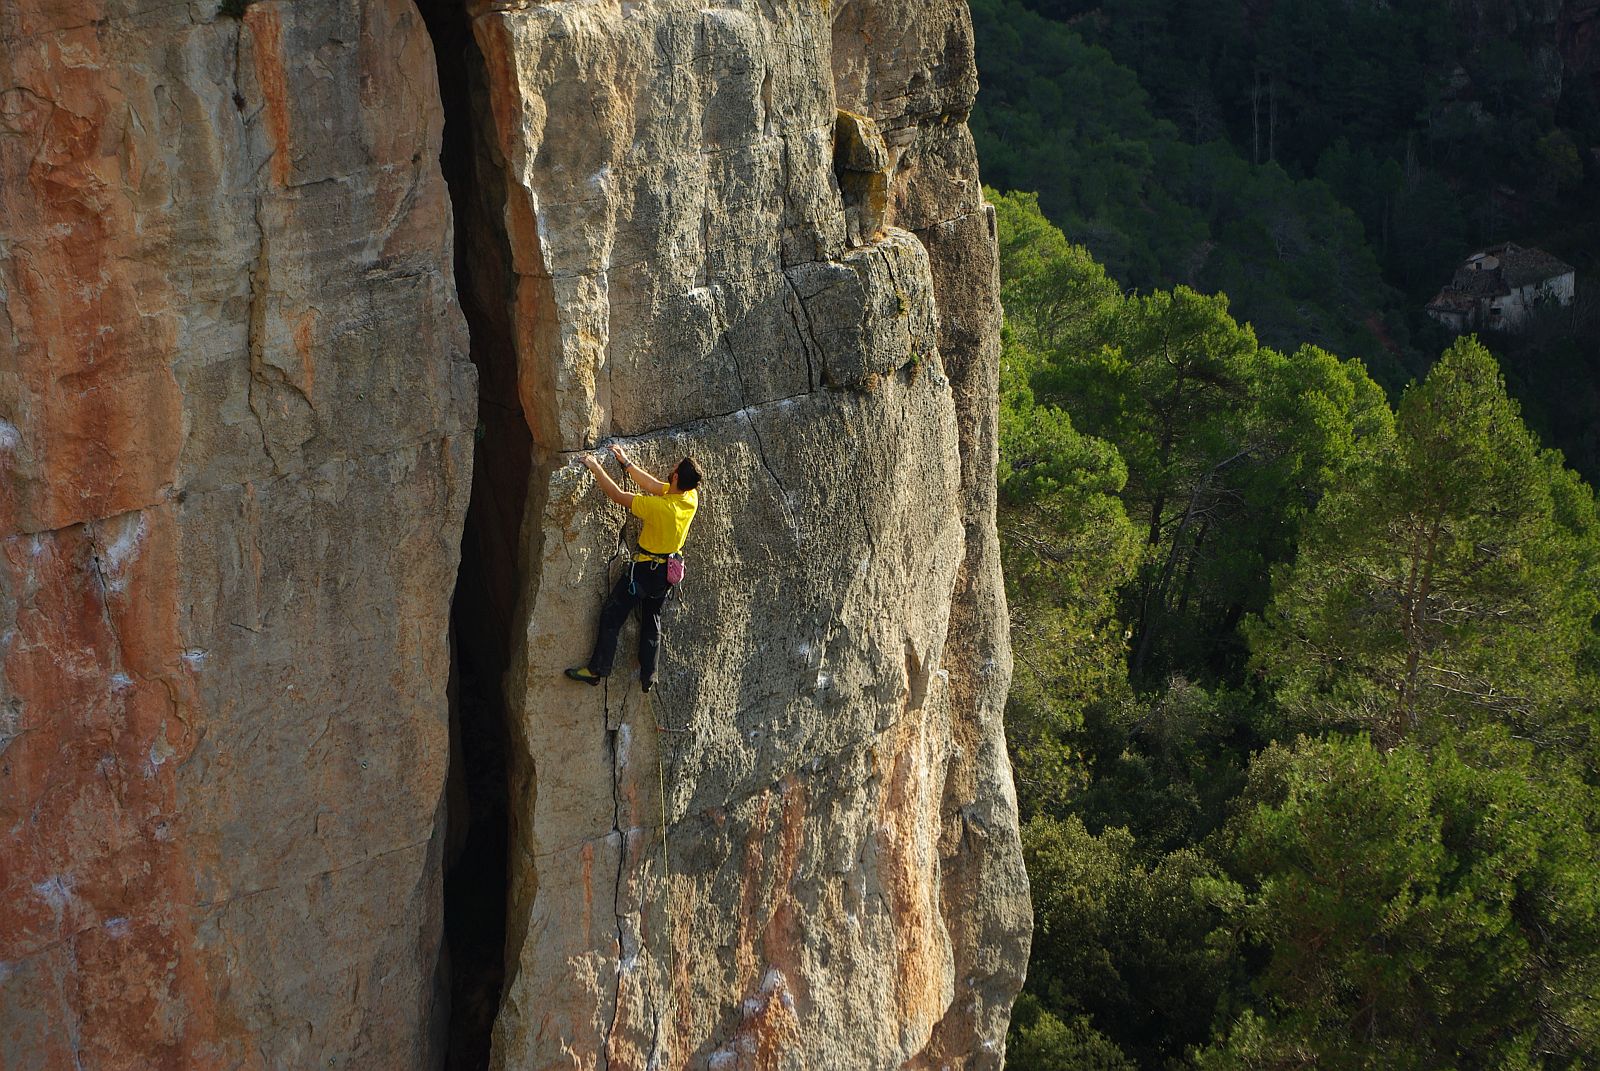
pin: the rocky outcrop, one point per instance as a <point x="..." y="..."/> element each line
<point x="1557" y="37"/>
<point x="238" y="443"/>
<point x="236" y="447"/>
<point x="847" y="890"/>
<point x="1579" y="32"/>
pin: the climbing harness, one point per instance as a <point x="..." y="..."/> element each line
<point x="673" y="562"/>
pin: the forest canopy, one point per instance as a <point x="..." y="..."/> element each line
<point x="1305" y="597"/>
<point x="1326" y="165"/>
<point x="1304" y="713"/>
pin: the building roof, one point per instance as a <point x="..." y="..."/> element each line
<point x="1522" y="265"/>
<point x="1448" y="300"/>
<point x="1495" y="272"/>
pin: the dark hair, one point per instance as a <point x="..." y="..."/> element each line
<point x="688" y="474"/>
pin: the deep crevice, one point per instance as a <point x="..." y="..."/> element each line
<point x="484" y="607"/>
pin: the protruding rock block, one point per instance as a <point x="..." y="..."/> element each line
<point x="871" y="313"/>
<point x="862" y="164"/>
<point x="837" y="802"/>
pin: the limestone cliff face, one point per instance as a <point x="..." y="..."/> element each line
<point x="241" y="739"/>
<point x="235" y="446"/>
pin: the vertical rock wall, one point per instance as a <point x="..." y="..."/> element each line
<point x="236" y="448"/>
<point x="235" y="418"/>
<point x="916" y="77"/>
<point x="840" y="884"/>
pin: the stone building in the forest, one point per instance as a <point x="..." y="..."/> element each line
<point x="1498" y="288"/>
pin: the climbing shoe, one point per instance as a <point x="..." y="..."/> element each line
<point x="645" y="686"/>
<point x="584" y="674"/>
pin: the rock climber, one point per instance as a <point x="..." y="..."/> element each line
<point x="666" y="508"/>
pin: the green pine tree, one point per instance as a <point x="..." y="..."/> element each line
<point x="1451" y="582"/>
<point x="1414" y="911"/>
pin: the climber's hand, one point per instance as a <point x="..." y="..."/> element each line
<point x="616" y="452"/>
<point x="607" y="484"/>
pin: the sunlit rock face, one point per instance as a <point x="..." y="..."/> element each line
<point x="234" y="458"/>
<point x="238" y="439"/>
<point x="840" y="884"/>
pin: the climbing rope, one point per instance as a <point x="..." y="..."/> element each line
<point x="648" y="706"/>
<point x="666" y="866"/>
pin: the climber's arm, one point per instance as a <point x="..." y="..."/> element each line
<point x="640" y="476"/>
<point x="607" y="484"/>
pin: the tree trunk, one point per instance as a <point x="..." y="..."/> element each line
<point x="1419" y="586"/>
<point x="1255" y="119"/>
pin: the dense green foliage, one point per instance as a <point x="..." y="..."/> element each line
<point x="1414" y="910"/>
<point x="1061" y="117"/>
<point x="1125" y="940"/>
<point x="1383" y="101"/>
<point x="1222" y="443"/>
<point x="1451" y="581"/>
<point x="1068" y="544"/>
<point x="1216" y="549"/>
<point x="1325" y="164"/>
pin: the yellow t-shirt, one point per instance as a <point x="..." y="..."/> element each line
<point x="666" y="520"/>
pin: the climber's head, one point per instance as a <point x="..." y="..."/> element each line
<point x="686" y="477"/>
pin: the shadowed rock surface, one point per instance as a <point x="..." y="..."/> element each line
<point x="243" y="738"/>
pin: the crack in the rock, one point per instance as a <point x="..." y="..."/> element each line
<point x="808" y="337"/>
<point x="616" y="818"/>
<point x="708" y="418"/>
<point x="703" y="272"/>
<point x="659" y="1000"/>
<point x="574" y="845"/>
<point x="656" y="1006"/>
<point x="207" y="905"/>
<point x="103" y="23"/>
<point x="97" y="568"/>
<point x="939" y="223"/>
<point x="497" y="775"/>
<point x="259" y="479"/>
<point x="616" y="896"/>
<point x="761" y="447"/>
<point x="888" y="264"/>
<point x="119" y="663"/>
<point x="788" y="199"/>
<point x="259" y="275"/>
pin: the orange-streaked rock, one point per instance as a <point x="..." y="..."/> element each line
<point x="235" y="422"/>
<point x="95" y="903"/>
<point x="236" y="425"/>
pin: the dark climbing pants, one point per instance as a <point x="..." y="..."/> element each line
<point x="643" y="584"/>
